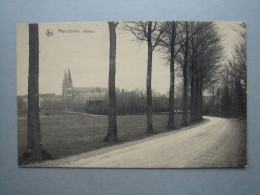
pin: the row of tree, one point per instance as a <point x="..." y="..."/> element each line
<point x="229" y="97"/>
<point x="194" y="46"/>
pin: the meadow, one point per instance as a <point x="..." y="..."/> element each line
<point x="68" y="134"/>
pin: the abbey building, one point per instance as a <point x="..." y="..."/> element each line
<point x="80" y="93"/>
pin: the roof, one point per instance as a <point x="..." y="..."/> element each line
<point x="90" y="89"/>
<point x="67" y="76"/>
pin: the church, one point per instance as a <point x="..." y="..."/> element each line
<point x="81" y="94"/>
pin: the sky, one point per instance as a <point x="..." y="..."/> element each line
<point x="86" y="53"/>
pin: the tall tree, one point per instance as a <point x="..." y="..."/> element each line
<point x="193" y="67"/>
<point x="210" y="58"/>
<point x="199" y="58"/>
<point x="34" y="135"/>
<point x="183" y="61"/>
<point x="206" y="54"/>
<point x="238" y="70"/>
<point x="149" y="79"/>
<point x="195" y="41"/>
<point x="112" y="111"/>
<point x="170" y="43"/>
<point x="151" y="33"/>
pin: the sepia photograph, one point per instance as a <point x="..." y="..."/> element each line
<point x="132" y="94"/>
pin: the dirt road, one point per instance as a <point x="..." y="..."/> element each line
<point x="217" y="142"/>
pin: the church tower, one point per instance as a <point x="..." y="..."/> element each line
<point x="67" y="86"/>
<point x="64" y="85"/>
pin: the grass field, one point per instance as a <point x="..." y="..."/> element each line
<point x="69" y="134"/>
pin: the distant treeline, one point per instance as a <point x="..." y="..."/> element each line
<point x="225" y="102"/>
<point x="128" y="103"/>
<point x="229" y="100"/>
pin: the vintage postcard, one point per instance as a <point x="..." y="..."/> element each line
<point x="149" y="94"/>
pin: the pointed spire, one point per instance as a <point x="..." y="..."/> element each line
<point x="65" y="76"/>
<point x="69" y="76"/>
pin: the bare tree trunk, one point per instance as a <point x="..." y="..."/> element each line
<point x="192" y="100"/>
<point x="192" y="106"/>
<point x="185" y="80"/>
<point x="200" y="100"/>
<point x="184" y="105"/>
<point x="112" y="122"/>
<point x="213" y="112"/>
<point x="197" y="94"/>
<point x="34" y="134"/>
<point x="193" y="93"/>
<point x="171" y="91"/>
<point x="149" y="80"/>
